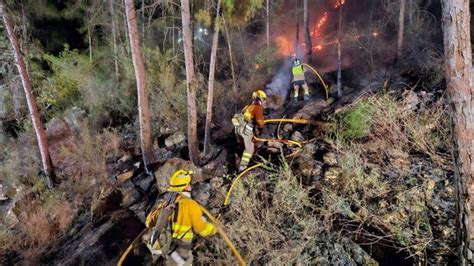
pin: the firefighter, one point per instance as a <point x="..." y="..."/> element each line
<point x="245" y="122"/>
<point x="299" y="81"/>
<point x="180" y="217"/>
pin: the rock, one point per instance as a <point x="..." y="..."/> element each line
<point x="410" y="100"/>
<point x="163" y="154"/>
<point x="311" y="109"/>
<point x="125" y="158"/>
<point x="58" y="129"/>
<point x="130" y="195"/>
<point x="125" y="176"/>
<point x="274" y="146"/>
<point x="288" y="127"/>
<point x="144" y="181"/>
<point x="2" y="193"/>
<point x="11" y="219"/>
<point x="297" y="136"/>
<point x="217" y="182"/>
<point x="163" y="173"/>
<point x="108" y="200"/>
<point x="202" y="193"/>
<point x="74" y="117"/>
<point x="217" y="167"/>
<point x="330" y="159"/>
<point x="177" y="140"/>
<point x="332" y="173"/>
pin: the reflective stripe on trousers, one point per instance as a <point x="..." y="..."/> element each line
<point x="296" y="89"/>
<point x="247" y="136"/>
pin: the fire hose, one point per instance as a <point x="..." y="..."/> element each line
<point x="219" y="230"/>
<point x="227" y="198"/>
<point x="320" y="78"/>
<point x="285" y="141"/>
<point x="288" y="120"/>
<point x="224" y="236"/>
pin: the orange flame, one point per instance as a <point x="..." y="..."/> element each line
<point x="339" y="3"/>
<point x="317" y="31"/>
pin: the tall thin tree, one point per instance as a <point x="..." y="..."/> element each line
<point x="340" y="91"/>
<point x="114" y="40"/>
<point x="190" y="83"/>
<point x="146" y="142"/>
<point x="459" y="81"/>
<point x="401" y="27"/>
<point x="307" y="36"/>
<point x="231" y="58"/>
<point x="212" y="71"/>
<point x="267" y="21"/>
<point x="30" y="98"/>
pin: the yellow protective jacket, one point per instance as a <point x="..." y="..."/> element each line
<point x="298" y="73"/>
<point x="189" y="220"/>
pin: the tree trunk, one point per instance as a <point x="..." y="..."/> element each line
<point x="89" y="39"/>
<point x="307" y="36"/>
<point x="229" y="45"/>
<point x="458" y="58"/>
<point x="114" y="40"/>
<point x="212" y="71"/>
<point x="401" y="26"/>
<point x="30" y="98"/>
<point x="190" y="83"/>
<point x="127" y="41"/>
<point x="146" y="142"/>
<point x="267" y="22"/>
<point x="340" y="91"/>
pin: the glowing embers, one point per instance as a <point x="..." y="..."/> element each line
<point x="339" y="3"/>
<point x="318" y="29"/>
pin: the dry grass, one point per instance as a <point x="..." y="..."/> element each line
<point x="84" y="161"/>
<point x="379" y="181"/>
<point x="271" y="220"/>
<point x="45" y="215"/>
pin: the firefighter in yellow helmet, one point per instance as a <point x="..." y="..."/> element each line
<point x="299" y="81"/>
<point x="244" y="122"/>
<point x="175" y="220"/>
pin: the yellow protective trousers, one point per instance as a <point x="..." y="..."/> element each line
<point x="245" y="131"/>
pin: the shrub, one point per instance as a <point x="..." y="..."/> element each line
<point x="355" y="122"/>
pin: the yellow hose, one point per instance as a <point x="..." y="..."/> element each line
<point x="224" y="236"/>
<point x="320" y="78"/>
<point x="134" y="242"/>
<point x="227" y="197"/>
<point x="295" y="121"/>
<point x="285" y="141"/>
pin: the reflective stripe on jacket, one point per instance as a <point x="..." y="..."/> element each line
<point x="190" y="220"/>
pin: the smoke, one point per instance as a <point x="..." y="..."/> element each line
<point x="281" y="82"/>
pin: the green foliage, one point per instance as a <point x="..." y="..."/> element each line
<point x="242" y="10"/>
<point x="355" y="122"/>
<point x="267" y="60"/>
<point x="70" y="70"/>
<point x="204" y="17"/>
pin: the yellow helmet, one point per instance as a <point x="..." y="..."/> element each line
<point x="180" y="180"/>
<point x="259" y="94"/>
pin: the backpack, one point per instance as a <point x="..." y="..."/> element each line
<point x="161" y="241"/>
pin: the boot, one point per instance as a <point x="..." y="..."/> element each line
<point x="294" y="101"/>
<point x="306" y="97"/>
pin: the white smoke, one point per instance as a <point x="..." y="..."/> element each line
<point x="281" y="81"/>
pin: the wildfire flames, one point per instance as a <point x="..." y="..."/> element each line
<point x="339" y="3"/>
<point x="286" y="43"/>
<point x="317" y="31"/>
